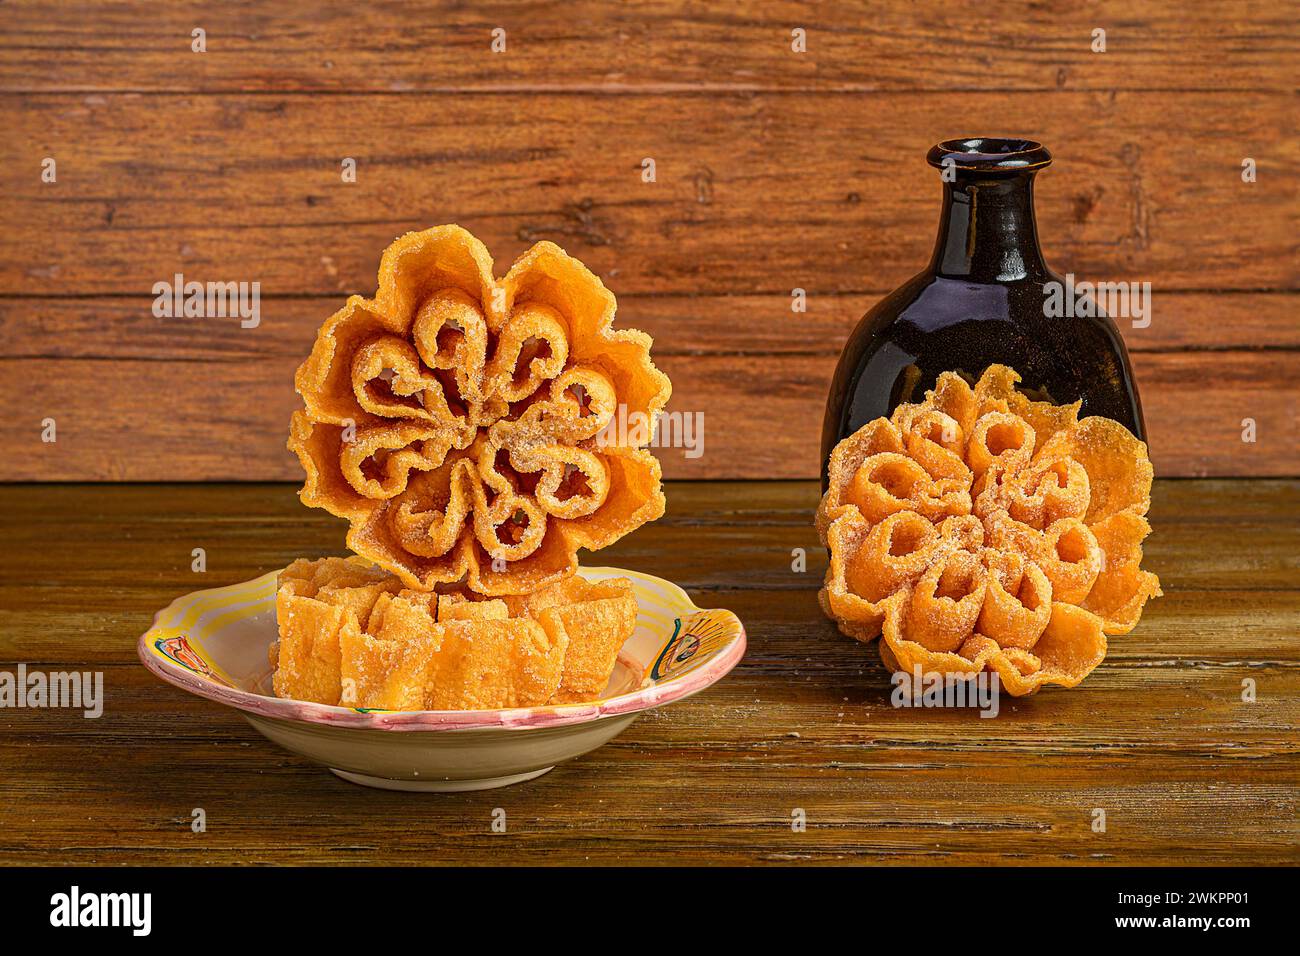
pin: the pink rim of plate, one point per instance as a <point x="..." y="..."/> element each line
<point x="525" y="718"/>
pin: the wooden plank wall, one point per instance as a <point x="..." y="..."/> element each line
<point x="775" y="170"/>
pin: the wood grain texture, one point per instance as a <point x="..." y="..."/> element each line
<point x="614" y="47"/>
<point x="248" y="188"/>
<point x="123" y="327"/>
<point x="775" y="170"/>
<point x="1158" y="736"/>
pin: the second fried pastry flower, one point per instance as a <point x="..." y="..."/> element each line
<point x="982" y="530"/>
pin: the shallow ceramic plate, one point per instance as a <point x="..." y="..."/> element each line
<point x="214" y="644"/>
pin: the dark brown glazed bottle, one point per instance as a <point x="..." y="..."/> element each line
<point x="980" y="303"/>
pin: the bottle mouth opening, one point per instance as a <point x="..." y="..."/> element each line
<point x="990" y="155"/>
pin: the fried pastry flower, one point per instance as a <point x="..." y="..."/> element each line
<point x="351" y="635"/>
<point x="458" y="422"/>
<point x="982" y="530"/>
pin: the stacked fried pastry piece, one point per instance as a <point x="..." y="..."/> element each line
<point x="473" y="432"/>
<point x="982" y="530"/>
<point x="353" y="635"/>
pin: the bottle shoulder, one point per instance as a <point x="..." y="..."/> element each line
<point x="932" y="303"/>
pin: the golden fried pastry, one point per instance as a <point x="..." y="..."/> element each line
<point x="314" y="602"/>
<point x="352" y="635"/>
<point x="459" y="422"/>
<point x="982" y="530"/>
<point x="595" y="618"/>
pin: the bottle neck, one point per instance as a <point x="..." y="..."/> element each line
<point x="987" y="232"/>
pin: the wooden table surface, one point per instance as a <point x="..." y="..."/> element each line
<point x="1158" y="737"/>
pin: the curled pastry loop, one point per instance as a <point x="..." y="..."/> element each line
<point x="388" y="381"/>
<point x="936" y="441"/>
<point x="887" y="483"/>
<point x="1049" y="492"/>
<point x="532" y="349"/>
<point x="1001" y="437"/>
<point x="1018" y="605"/>
<point x="895" y="553"/>
<point x="450" y="333"/>
<point x="1071" y="559"/>
<point x="428" y="518"/>
<point x="574" y="483"/>
<point x="583" y="403"/>
<point x="510" y="528"/>
<point x="947" y="602"/>
<point x="379" y="462"/>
